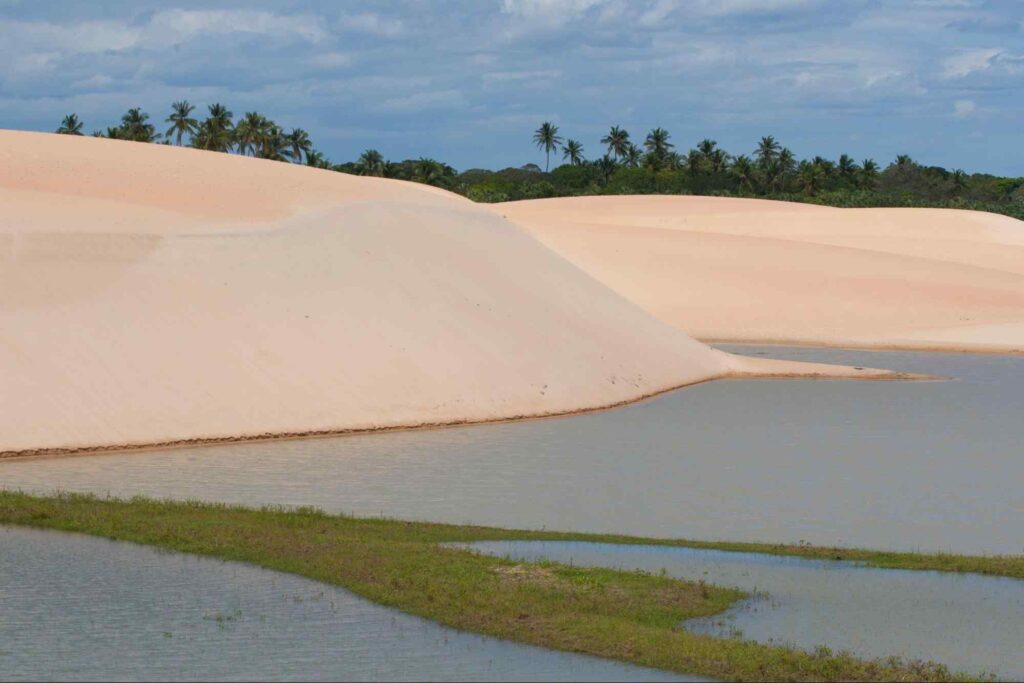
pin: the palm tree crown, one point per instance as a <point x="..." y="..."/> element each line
<point x="135" y="126"/>
<point x="767" y="151"/>
<point x="743" y="170"/>
<point x="607" y="165"/>
<point x="216" y="133"/>
<point x="70" y="125"/>
<point x="181" y="121"/>
<point x="657" y="143"/>
<point x="632" y="156"/>
<point x="250" y="132"/>
<point x="617" y="142"/>
<point x="573" y="151"/>
<point x="300" y="144"/>
<point x="546" y="138"/>
<point x="371" y="162"/>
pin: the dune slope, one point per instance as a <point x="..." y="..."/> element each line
<point x="155" y="295"/>
<point x="762" y="271"/>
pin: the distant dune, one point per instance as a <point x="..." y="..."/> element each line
<point x="761" y="271"/>
<point x="150" y="295"/>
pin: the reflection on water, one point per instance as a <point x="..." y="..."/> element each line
<point x="80" y="608"/>
<point x="969" y="622"/>
<point x="905" y="465"/>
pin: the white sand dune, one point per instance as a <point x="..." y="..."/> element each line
<point x="154" y="295"/>
<point x="762" y="271"/>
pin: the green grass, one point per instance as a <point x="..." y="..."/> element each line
<point x="629" y="616"/>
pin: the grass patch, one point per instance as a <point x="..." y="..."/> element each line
<point x="629" y="616"/>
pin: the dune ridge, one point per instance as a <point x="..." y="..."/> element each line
<point x="759" y="271"/>
<point x="155" y="296"/>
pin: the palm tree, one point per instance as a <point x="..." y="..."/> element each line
<point x="743" y="170"/>
<point x="216" y="133"/>
<point x="250" y="132"/>
<point x="828" y="169"/>
<point x="135" y="126"/>
<point x="787" y="161"/>
<point x="300" y="144"/>
<point x="657" y="143"/>
<point x="371" y="162"/>
<point x="573" y="151"/>
<point x="767" y="151"/>
<point x="674" y="161"/>
<point x="868" y="174"/>
<point x="959" y="179"/>
<point x="654" y="162"/>
<point x="274" y="144"/>
<point x="715" y="158"/>
<point x="617" y="141"/>
<point x="316" y="159"/>
<point x="783" y="167"/>
<point x="70" y="125"/>
<point x="546" y="138"/>
<point x="632" y="156"/>
<point x="903" y="160"/>
<point x="607" y="165"/>
<point x="706" y="148"/>
<point x="694" y="163"/>
<point x="426" y="170"/>
<point x="810" y="177"/>
<point x="181" y="121"/>
<point x="847" y="167"/>
<point x="432" y="172"/>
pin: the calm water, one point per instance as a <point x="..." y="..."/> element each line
<point x="902" y="465"/>
<point x="80" y="608"/>
<point x="969" y="622"/>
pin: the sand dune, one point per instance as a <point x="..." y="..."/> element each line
<point x="151" y="295"/>
<point x="761" y="271"/>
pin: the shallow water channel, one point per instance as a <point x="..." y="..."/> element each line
<point x="896" y="465"/>
<point x="80" y="608"/>
<point x="969" y="622"/>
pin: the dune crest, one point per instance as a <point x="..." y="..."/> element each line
<point x="752" y="270"/>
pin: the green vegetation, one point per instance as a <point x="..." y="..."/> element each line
<point x="772" y="171"/>
<point x="629" y="616"/>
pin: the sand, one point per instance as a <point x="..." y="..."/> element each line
<point x="745" y="270"/>
<point x="155" y="295"/>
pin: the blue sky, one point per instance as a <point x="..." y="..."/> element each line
<point x="466" y="81"/>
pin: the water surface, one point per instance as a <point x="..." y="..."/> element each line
<point x="969" y="622"/>
<point x="81" y="608"/>
<point x="898" y="465"/>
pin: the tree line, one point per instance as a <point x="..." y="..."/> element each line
<point x="625" y="165"/>
<point x="255" y="135"/>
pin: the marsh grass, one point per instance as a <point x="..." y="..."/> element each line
<point x="633" y="617"/>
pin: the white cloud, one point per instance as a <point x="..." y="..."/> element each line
<point x="331" y="60"/>
<point x="165" y="29"/>
<point x="94" y="82"/>
<point x="373" y="24"/>
<point x="729" y="7"/>
<point x="177" y="25"/>
<point x="87" y="37"/>
<point x="502" y="77"/>
<point x="438" y="99"/>
<point x="549" y="13"/>
<point x="969" y="61"/>
<point x="964" y="108"/>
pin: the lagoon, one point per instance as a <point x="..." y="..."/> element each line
<point x="969" y="622"/>
<point x="931" y="466"/>
<point x="81" y="608"/>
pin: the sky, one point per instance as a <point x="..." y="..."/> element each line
<point x="467" y="81"/>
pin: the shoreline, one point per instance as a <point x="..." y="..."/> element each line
<point x="813" y="373"/>
<point x="882" y="347"/>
